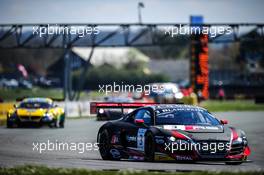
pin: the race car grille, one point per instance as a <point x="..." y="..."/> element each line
<point x="212" y="151"/>
<point x="236" y="149"/>
<point x="30" y="118"/>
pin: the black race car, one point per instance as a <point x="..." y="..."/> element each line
<point x="172" y="132"/>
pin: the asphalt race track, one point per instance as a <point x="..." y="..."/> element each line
<point x="16" y="147"/>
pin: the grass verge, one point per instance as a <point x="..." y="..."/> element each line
<point x="13" y="94"/>
<point x="42" y="170"/>
<point x="232" y="105"/>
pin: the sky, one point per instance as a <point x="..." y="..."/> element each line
<point x="125" y="11"/>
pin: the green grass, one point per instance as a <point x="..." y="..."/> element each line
<point x="41" y="170"/>
<point x="13" y="94"/>
<point x="232" y="105"/>
<point x="95" y="94"/>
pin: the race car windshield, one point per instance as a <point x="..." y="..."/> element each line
<point x="184" y="117"/>
<point x="31" y="105"/>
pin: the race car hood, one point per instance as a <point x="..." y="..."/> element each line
<point x="31" y="112"/>
<point x="219" y="132"/>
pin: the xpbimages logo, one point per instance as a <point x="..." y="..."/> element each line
<point x="213" y="31"/>
<point x="130" y="88"/>
<point x="80" y="31"/>
<point x="183" y="145"/>
<point x="79" y="147"/>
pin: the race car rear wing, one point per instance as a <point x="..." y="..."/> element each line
<point x="53" y="99"/>
<point x="94" y="106"/>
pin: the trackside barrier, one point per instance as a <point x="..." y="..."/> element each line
<point x="76" y="109"/>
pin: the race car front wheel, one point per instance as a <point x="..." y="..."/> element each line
<point x="11" y="124"/>
<point x="149" y="147"/>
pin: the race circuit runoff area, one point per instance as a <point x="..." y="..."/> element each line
<point x="17" y="147"/>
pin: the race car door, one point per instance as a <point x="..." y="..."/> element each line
<point x="135" y="137"/>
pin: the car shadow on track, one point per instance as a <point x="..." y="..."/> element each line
<point x="220" y="163"/>
<point x="30" y="127"/>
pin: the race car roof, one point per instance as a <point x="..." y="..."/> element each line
<point x="177" y="107"/>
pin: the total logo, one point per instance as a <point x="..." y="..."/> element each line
<point x="183" y="157"/>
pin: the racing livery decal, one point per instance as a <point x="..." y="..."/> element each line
<point x="140" y="139"/>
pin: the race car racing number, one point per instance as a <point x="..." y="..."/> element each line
<point x="141" y="139"/>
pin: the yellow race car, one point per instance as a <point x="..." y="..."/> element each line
<point x="36" y="111"/>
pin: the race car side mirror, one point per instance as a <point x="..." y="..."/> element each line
<point x="224" y="122"/>
<point x="139" y="121"/>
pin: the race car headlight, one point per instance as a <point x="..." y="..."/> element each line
<point x="173" y="139"/>
<point x="101" y="111"/>
<point x="179" y="141"/>
<point x="240" y="140"/>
